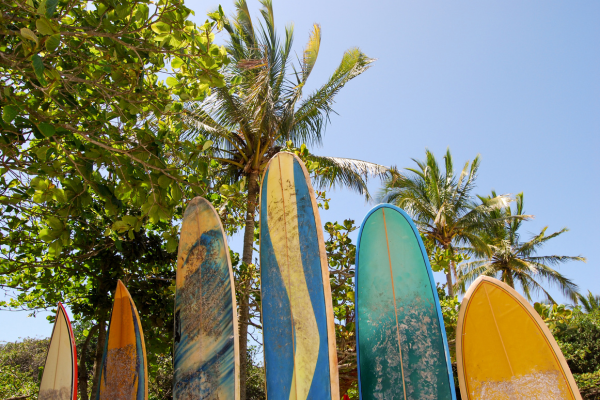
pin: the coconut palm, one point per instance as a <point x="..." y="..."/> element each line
<point x="590" y="302"/>
<point x="511" y="260"/>
<point x="441" y="204"/>
<point x="261" y="107"/>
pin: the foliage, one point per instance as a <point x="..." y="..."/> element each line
<point x="556" y="316"/>
<point x="21" y="365"/>
<point x="580" y="342"/>
<point x="255" y="385"/>
<point x="450" y="309"/>
<point x="589" y="385"/>
<point x="82" y="100"/>
<point x="341" y="254"/>
<point x="589" y="303"/>
<point x="441" y="204"/>
<point x="504" y="255"/>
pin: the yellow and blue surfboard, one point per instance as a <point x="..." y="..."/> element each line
<point x="298" y="327"/>
<point x="124" y="373"/>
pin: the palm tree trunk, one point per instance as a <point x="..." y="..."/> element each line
<point x="449" y="283"/>
<point x="244" y="306"/>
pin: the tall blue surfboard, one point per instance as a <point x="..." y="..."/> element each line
<point x="401" y="344"/>
<point x="298" y="327"/>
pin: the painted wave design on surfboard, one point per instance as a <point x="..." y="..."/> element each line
<point x="294" y="313"/>
<point x="124" y="374"/>
<point x="402" y="350"/>
<point x="205" y="319"/>
<point x="505" y="350"/>
<point x="59" y="381"/>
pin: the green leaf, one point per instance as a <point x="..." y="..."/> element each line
<point x="51" y="7"/>
<point x="55" y="223"/>
<point x="52" y="42"/>
<point x="161" y="27"/>
<point x="9" y="113"/>
<point x="172" y="245"/>
<point x="207" y="145"/>
<point x="44" y="26"/>
<point x="46" y="129"/>
<point x="38" y="68"/>
<point x="172" y="81"/>
<point x="164" y="181"/>
<point x="55" y="248"/>
<point x="177" y="62"/>
<point x="28" y="34"/>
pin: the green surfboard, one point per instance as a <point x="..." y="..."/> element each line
<point x="401" y="342"/>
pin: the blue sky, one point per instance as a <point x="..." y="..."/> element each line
<point x="516" y="82"/>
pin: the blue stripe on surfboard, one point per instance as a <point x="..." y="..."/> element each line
<point x="140" y="360"/>
<point x="311" y="261"/>
<point x="277" y="321"/>
<point x="432" y="286"/>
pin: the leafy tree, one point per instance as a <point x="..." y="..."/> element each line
<point x="511" y="260"/>
<point x="260" y="107"/>
<point x="21" y="366"/>
<point x="442" y="205"/>
<point x="81" y="90"/>
<point x="578" y="336"/>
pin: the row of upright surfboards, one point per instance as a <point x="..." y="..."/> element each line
<point x="504" y="350"/>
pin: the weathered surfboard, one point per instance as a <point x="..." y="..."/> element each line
<point x="59" y="381"/>
<point x="401" y="342"/>
<point x="206" y="363"/>
<point x="505" y="351"/>
<point x="298" y="328"/>
<point x="124" y="373"/>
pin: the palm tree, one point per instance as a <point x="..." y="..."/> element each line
<point x="505" y="256"/>
<point x="441" y="204"/>
<point x="590" y="302"/>
<point x="261" y="107"/>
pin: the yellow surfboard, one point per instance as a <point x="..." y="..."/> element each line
<point x="124" y="373"/>
<point x="505" y="351"/>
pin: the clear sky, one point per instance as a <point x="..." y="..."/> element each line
<point x="516" y="82"/>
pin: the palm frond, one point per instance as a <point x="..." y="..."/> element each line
<point x="347" y="172"/>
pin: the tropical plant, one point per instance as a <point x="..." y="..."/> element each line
<point x="513" y="261"/>
<point x="442" y="205"/>
<point x="260" y="107"/>
<point x="590" y="302"/>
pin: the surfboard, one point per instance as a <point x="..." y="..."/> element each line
<point x="402" y="351"/>
<point x="59" y="380"/>
<point x="297" y="313"/>
<point x="124" y="373"/>
<point x="206" y="354"/>
<point x="504" y="349"/>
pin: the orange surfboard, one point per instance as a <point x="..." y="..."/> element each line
<point x="504" y="350"/>
<point x="124" y="374"/>
<point x="59" y="381"/>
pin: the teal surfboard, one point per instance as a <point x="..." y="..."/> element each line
<point x="401" y="342"/>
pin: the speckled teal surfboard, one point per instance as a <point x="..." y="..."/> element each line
<point x="401" y="343"/>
